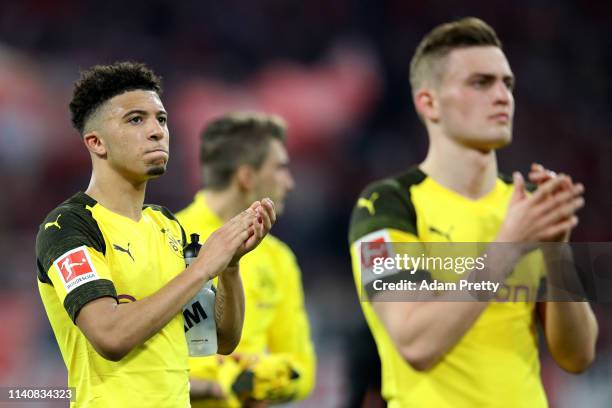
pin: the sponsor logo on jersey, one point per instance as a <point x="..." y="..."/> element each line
<point x="175" y="244"/>
<point x="76" y="268"/>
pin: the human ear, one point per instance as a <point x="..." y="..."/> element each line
<point x="245" y="176"/>
<point x="425" y="101"/>
<point x="94" y="143"/>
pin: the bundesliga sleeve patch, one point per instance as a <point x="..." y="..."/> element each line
<point x="76" y="268"/>
<point x="372" y="246"/>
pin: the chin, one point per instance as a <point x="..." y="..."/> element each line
<point x="493" y="141"/>
<point x="498" y="143"/>
<point x="156" y="171"/>
<point x="503" y="140"/>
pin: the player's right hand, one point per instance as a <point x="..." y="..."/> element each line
<point x="543" y="215"/>
<point x="266" y="217"/>
<point x="221" y="246"/>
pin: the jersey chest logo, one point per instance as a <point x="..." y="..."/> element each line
<point x="173" y="243"/>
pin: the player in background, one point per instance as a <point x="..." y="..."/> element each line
<point x="243" y="158"/>
<point x="111" y="272"/>
<point x="469" y="354"/>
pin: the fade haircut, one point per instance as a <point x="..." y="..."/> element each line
<point x="102" y="82"/>
<point x="427" y="63"/>
<point x="236" y="139"/>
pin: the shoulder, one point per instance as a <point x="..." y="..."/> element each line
<point x="67" y="226"/>
<point x="386" y="203"/>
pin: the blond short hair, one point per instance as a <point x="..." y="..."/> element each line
<point x="236" y="139"/>
<point x="427" y="62"/>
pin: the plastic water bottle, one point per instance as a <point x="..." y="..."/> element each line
<point x="199" y="312"/>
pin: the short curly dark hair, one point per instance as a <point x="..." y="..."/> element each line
<point x="102" y="82"/>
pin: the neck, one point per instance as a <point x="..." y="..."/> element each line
<point x="225" y="203"/>
<point x="465" y="170"/>
<point x="116" y="193"/>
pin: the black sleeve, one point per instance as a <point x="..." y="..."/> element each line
<point x="84" y="294"/>
<point x="65" y="228"/>
<point x="384" y="204"/>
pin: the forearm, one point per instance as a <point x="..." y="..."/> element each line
<point x="570" y="327"/>
<point x="116" y="329"/>
<point x="423" y="331"/>
<point x="571" y="332"/>
<point x="229" y="310"/>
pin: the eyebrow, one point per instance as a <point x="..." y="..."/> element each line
<point x="490" y="76"/>
<point x="143" y="112"/>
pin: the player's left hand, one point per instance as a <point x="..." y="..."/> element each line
<point x="538" y="175"/>
<point x="266" y="217"/>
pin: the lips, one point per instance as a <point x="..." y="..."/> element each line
<point x="160" y="150"/>
<point x="501" y="117"/>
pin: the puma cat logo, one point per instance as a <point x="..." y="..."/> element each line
<point x="127" y="251"/>
<point x="54" y="223"/>
<point x="442" y="233"/>
<point x="368" y="203"/>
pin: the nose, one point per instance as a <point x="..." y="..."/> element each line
<point x="501" y="94"/>
<point x="157" y="131"/>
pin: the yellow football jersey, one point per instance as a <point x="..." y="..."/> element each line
<point x="85" y="251"/>
<point x="496" y="363"/>
<point x="276" y="327"/>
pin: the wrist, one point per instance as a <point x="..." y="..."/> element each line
<point x="556" y="251"/>
<point x="502" y="257"/>
<point x="231" y="270"/>
<point x="230" y="273"/>
<point x="204" y="272"/>
<point x="234" y="262"/>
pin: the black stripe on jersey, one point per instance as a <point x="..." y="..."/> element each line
<point x="417" y="277"/>
<point x="68" y="226"/>
<point x="170" y="216"/>
<point x="87" y="292"/>
<point x="529" y="186"/>
<point x="386" y="204"/>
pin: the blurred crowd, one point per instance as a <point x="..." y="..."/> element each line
<point x="337" y="72"/>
